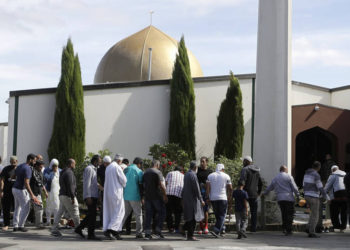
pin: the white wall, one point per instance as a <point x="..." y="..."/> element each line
<point x="341" y="99"/>
<point x="3" y="144"/>
<point x="125" y="120"/>
<point x="307" y="95"/>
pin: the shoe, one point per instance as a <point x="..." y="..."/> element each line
<point x="93" y="237"/>
<point x="79" y="232"/>
<point x="288" y="233"/>
<point x="15" y="229"/>
<point x="313" y="236"/>
<point x="239" y="236"/>
<point x="341" y="231"/>
<point x="243" y="234"/>
<point x="214" y="234"/>
<point x="139" y="236"/>
<point x="200" y="232"/>
<point x="205" y="231"/>
<point x="148" y="237"/>
<point x="22" y="229"/>
<point x="192" y="239"/>
<point x="56" y="233"/>
<point x="109" y="235"/>
<point x="40" y="227"/>
<point x="127" y="232"/>
<point x="160" y="235"/>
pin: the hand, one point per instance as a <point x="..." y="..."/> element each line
<point x="246" y="213"/>
<point x="36" y="201"/>
<point x="1" y="194"/>
<point x="88" y="201"/>
<point x="46" y="195"/>
<point x="203" y="203"/>
<point x="165" y="199"/>
<point x="143" y="201"/>
<point x="73" y="201"/>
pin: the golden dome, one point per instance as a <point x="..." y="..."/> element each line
<point x="128" y="59"/>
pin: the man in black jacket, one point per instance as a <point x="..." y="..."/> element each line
<point x="68" y="199"/>
<point x="250" y="174"/>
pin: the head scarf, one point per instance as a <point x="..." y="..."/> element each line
<point x="53" y="162"/>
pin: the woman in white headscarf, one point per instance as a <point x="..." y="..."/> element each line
<point x="53" y="188"/>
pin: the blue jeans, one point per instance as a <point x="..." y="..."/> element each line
<point x="253" y="206"/>
<point x="220" y="210"/>
<point x="156" y="207"/>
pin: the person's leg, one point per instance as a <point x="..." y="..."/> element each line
<point x="244" y="221"/>
<point x="17" y="209"/>
<point x="281" y="204"/>
<point x="290" y="211"/>
<point x="58" y="216"/>
<point x="178" y="212"/>
<point x="191" y="225"/>
<point x="319" y="225"/>
<point x="38" y="211"/>
<point x="253" y="206"/>
<point x="71" y="209"/>
<point x="149" y="216"/>
<point x="25" y="207"/>
<point x="128" y="210"/>
<point x="169" y="212"/>
<point x="137" y="209"/>
<point x="238" y="221"/>
<point x="222" y="214"/>
<point x="314" y="210"/>
<point x="343" y="208"/>
<point x="160" y="211"/>
<point x="92" y="217"/>
<point x="7" y="203"/>
<point x="334" y="214"/>
<point x="215" y="205"/>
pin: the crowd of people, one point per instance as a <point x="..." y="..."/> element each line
<point x="119" y="190"/>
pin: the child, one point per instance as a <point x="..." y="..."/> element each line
<point x="241" y="209"/>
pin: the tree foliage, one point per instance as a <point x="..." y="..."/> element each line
<point x="230" y="124"/>
<point x="68" y="135"/>
<point x="182" y="103"/>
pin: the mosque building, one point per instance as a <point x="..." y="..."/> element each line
<point x="127" y="108"/>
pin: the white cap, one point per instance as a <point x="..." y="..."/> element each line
<point x="334" y="167"/>
<point x="220" y="167"/>
<point x="118" y="157"/>
<point x="248" y="158"/>
<point x="107" y="159"/>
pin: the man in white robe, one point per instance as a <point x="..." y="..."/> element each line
<point x="113" y="201"/>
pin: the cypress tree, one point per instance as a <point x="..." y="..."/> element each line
<point x="230" y="124"/>
<point x="68" y="135"/>
<point x="182" y="103"/>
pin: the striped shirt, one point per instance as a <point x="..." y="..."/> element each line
<point x="313" y="185"/>
<point x="174" y="183"/>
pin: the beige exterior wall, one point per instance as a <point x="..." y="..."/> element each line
<point x="302" y="94"/>
<point x="125" y="120"/>
<point x="341" y="98"/>
<point x="3" y="144"/>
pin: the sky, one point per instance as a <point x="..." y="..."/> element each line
<point x="222" y="34"/>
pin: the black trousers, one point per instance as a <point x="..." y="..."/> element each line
<point x="8" y="203"/>
<point x="190" y="227"/>
<point x="338" y="208"/>
<point x="173" y="206"/>
<point x="90" y="220"/>
<point x="253" y="206"/>
<point x="287" y="211"/>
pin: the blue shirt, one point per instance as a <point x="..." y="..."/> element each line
<point x="23" y="171"/>
<point x="240" y="196"/>
<point x="134" y="177"/>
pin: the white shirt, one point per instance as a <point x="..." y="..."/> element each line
<point x="218" y="182"/>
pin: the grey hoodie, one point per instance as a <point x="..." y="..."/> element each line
<point x="253" y="184"/>
<point x="335" y="183"/>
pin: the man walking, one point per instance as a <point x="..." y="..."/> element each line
<point x="132" y="194"/>
<point x="22" y="194"/>
<point x="174" y="185"/>
<point x="194" y="202"/>
<point x="219" y="187"/>
<point x="6" y="183"/>
<point x="312" y="188"/>
<point x="113" y="202"/>
<point x="250" y="175"/>
<point x="285" y="188"/>
<point x="155" y="199"/>
<point x="335" y="186"/>
<point x="90" y="195"/>
<point x="37" y="186"/>
<point x="202" y="174"/>
<point x="68" y="199"/>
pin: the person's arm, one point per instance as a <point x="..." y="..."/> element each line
<point x="320" y="186"/>
<point x="294" y="187"/>
<point x="246" y="206"/>
<point x="121" y="176"/>
<point x="163" y="191"/>
<point x="207" y="190"/>
<point x="269" y="188"/>
<point x="195" y="188"/>
<point x="260" y="185"/>
<point x="329" y="183"/>
<point x="32" y="196"/>
<point x="69" y="184"/>
<point x="1" y="186"/>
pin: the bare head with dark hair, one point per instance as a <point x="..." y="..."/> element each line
<point x="316" y="165"/>
<point x="96" y="160"/>
<point x="193" y="166"/>
<point x="204" y="162"/>
<point x="283" y="168"/>
<point x="138" y="161"/>
<point x="31" y="159"/>
<point x="71" y="163"/>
